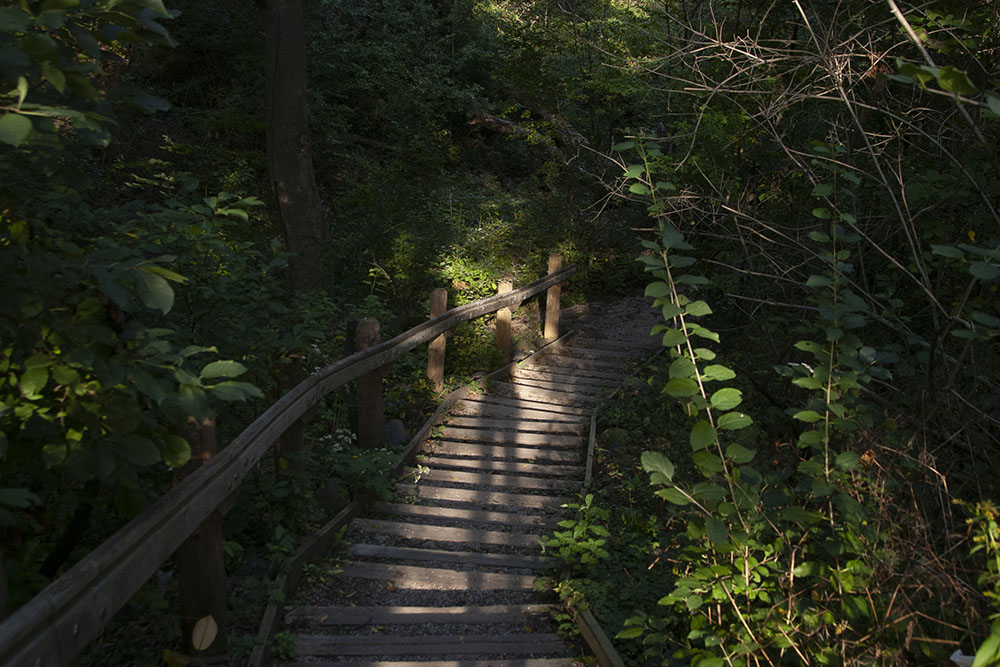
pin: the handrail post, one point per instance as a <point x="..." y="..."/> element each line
<point x="435" y="348"/>
<point x="201" y="571"/>
<point x="503" y="321"/>
<point x="552" y="301"/>
<point x="369" y="390"/>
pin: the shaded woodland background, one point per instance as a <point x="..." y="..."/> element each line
<point x="834" y="166"/>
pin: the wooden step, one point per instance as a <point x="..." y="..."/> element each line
<point x="467" y="409"/>
<point x="456" y="448"/>
<point x="411" y="577"/>
<point x="488" y="479"/>
<point x="506" y="613"/>
<point x="620" y="355"/>
<point x="514" y="437"/>
<point x="502" y="466"/>
<point x="572" y="362"/>
<point x="582" y="372"/>
<point x="382" y="644"/>
<point x="481" y="497"/>
<point x="489" y="662"/>
<point x="573" y="389"/>
<point x="514" y="424"/>
<point x="455" y="513"/>
<point x="555" y="398"/>
<point x="528" y="404"/>
<point x="420" y="531"/>
<point x="565" y="379"/>
<point x="444" y="556"/>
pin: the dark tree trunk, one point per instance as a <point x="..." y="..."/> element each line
<point x="289" y="158"/>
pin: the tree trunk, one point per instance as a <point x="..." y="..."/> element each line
<point x="289" y="158"/>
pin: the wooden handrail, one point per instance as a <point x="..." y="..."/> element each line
<point x="55" y="625"/>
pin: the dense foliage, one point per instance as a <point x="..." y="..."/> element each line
<point x="817" y="186"/>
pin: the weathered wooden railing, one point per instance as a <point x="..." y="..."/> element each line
<point x="59" y="622"/>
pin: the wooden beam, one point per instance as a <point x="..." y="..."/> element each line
<point x="435" y="349"/>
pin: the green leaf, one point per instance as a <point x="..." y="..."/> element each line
<point x="733" y="421"/>
<point x="630" y="633"/>
<point x="673" y="337"/>
<point x="717" y="372"/>
<point x="681" y="387"/>
<point x="623" y="146"/>
<point x="673" y="495"/>
<point x="635" y="171"/>
<point x="716" y="530"/>
<point x="981" y="270"/>
<point x="155" y="291"/>
<point x="176" y="451"/>
<point x="235" y="391"/>
<point x="739" y="454"/>
<point x="988" y="652"/>
<point x="822" y="213"/>
<point x="639" y="189"/>
<point x="800" y="515"/>
<point x="847" y="460"/>
<point x="657" y="290"/>
<point x="697" y="308"/>
<point x="34" y="380"/>
<point x="681" y="367"/>
<point x="947" y="251"/>
<point x="138" y="451"/>
<point x="229" y="369"/>
<point x="808" y="569"/>
<point x="702" y="435"/>
<point x="14" y="128"/>
<point x="727" y="398"/>
<point x="657" y="462"/>
<point x="820" y="237"/>
<point x="955" y="81"/>
<point x="808" y="416"/>
<point x="822" y="190"/>
<point x="819" y="281"/>
<point x="993" y="103"/>
<point x="693" y="602"/>
<point x="707" y="462"/>
<point x="19" y="498"/>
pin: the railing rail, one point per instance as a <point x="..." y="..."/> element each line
<point x="53" y="627"/>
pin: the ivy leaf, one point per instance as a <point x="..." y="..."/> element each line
<point x="727" y="398"/>
<point x="657" y="462"/>
<point x="716" y="530"/>
<point x="702" y="435"/>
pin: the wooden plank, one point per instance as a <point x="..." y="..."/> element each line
<point x="503" y="466"/>
<point x="506" y="613"/>
<point x="54" y="626"/>
<point x="513" y="437"/>
<point x="565" y="361"/>
<point x="500" y="451"/>
<point x="482" y="497"/>
<point x="383" y="644"/>
<point x="411" y="577"/>
<point x="514" y="424"/>
<point x="567" y="371"/>
<point x="619" y="354"/>
<point x="591" y="442"/>
<point x="456" y="513"/>
<point x="420" y="531"/>
<point x="499" y="411"/>
<point x="586" y="390"/>
<point x="599" y="644"/>
<point x="488" y="479"/>
<point x="559" y="398"/>
<point x="489" y="662"/>
<point x="445" y="556"/>
<point x="568" y="379"/>
<point x="527" y="404"/>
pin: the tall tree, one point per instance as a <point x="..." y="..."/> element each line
<point x="289" y="158"/>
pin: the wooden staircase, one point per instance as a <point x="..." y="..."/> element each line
<point x="449" y="572"/>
